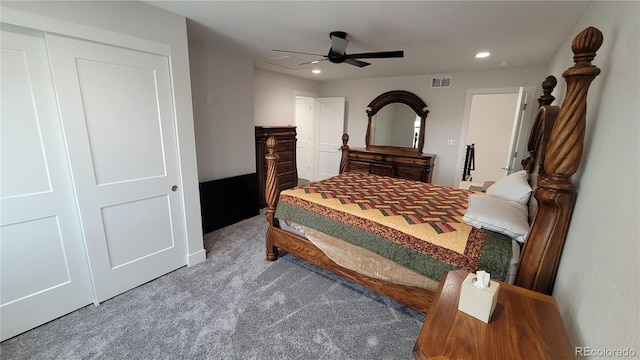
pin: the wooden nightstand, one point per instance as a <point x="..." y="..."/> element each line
<point x="524" y="325"/>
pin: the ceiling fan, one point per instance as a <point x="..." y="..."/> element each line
<point x="337" y="53"/>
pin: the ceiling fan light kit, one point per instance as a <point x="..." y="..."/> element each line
<point x="337" y="52"/>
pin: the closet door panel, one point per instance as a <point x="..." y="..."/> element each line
<point x="117" y="112"/>
<point x="44" y="272"/>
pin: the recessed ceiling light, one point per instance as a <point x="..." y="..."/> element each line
<point x="483" y="54"/>
<point x="316" y="71"/>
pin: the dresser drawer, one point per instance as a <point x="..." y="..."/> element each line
<point x="366" y="156"/>
<point x="286" y="156"/>
<point x="285" y="145"/>
<point x="285" y="167"/>
<point x="288" y="179"/>
<point x="284" y="163"/>
<point x="357" y="166"/>
<point x="410" y="173"/>
<point x="409" y="161"/>
<point x="382" y="169"/>
<point x="392" y="162"/>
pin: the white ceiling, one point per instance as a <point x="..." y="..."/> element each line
<point x="437" y="37"/>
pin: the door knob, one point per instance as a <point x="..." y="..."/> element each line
<point x="174" y="188"/>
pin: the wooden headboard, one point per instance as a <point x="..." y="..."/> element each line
<point x="554" y="191"/>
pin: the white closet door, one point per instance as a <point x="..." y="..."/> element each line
<point x="43" y="263"/>
<point x="118" y="117"/>
<point x="329" y="130"/>
<point x="305" y="120"/>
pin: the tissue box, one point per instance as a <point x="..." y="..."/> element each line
<point x="478" y="302"/>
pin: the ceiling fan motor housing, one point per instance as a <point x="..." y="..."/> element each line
<point x="340" y="34"/>
<point x="333" y="56"/>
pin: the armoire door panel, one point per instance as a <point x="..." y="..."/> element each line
<point x="117" y="113"/>
<point x="43" y="265"/>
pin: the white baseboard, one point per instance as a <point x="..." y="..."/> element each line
<point x="196" y="257"/>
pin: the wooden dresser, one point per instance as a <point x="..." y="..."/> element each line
<point x="286" y="150"/>
<point x="392" y="162"/>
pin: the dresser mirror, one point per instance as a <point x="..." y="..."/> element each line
<point x="396" y="120"/>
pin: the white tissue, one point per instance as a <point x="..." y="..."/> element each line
<point x="482" y="279"/>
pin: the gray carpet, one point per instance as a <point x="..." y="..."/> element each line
<point x="234" y="305"/>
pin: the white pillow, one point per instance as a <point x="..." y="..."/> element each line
<point x="506" y="217"/>
<point x="514" y="187"/>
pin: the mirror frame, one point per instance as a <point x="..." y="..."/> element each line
<point x="398" y="96"/>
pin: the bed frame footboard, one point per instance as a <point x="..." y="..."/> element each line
<point x="416" y="298"/>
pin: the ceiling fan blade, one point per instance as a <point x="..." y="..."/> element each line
<point x="357" y="63"/>
<point x="312" y="62"/>
<point x="338" y="44"/>
<point x="377" y="55"/>
<point x="298" y="52"/>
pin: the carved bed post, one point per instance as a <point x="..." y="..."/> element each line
<point x="548" y="85"/>
<point x="344" y="160"/>
<point x="541" y="129"/>
<point x="556" y="193"/>
<point x="271" y="191"/>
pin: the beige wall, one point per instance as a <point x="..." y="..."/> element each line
<point x="598" y="279"/>
<point x="275" y="96"/>
<point x="222" y="87"/>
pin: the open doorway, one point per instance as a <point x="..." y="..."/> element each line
<point x="495" y="124"/>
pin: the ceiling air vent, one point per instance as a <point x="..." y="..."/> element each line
<point x="441" y="81"/>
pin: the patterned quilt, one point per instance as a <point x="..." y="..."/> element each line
<point x="414" y="224"/>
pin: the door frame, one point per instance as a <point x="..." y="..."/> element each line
<point x="525" y="123"/>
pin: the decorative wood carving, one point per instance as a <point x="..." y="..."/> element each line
<point x="548" y="85"/>
<point x="556" y="194"/>
<point x="272" y="191"/>
<point x="344" y="157"/>
<point x="541" y="130"/>
<point x="404" y="97"/>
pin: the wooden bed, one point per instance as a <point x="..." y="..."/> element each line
<point x="555" y="150"/>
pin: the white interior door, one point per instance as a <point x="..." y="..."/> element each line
<point x="304" y="118"/>
<point x="118" y="118"/>
<point x="525" y="112"/>
<point x="329" y="129"/>
<point x="43" y="267"/>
